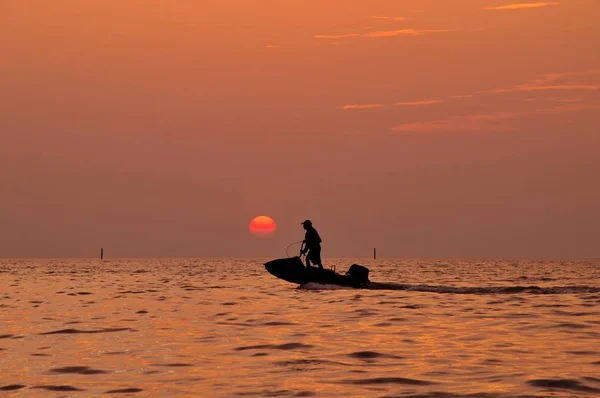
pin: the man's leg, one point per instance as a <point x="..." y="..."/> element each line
<point x="316" y="258"/>
<point x="308" y="259"/>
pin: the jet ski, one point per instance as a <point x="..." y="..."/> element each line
<point x="293" y="270"/>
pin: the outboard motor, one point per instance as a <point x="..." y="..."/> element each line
<point x="359" y="274"/>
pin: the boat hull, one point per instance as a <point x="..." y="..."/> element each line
<point x="294" y="271"/>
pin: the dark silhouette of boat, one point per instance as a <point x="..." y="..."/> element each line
<point x="293" y="270"/>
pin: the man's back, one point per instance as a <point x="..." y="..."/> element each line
<point x="313" y="240"/>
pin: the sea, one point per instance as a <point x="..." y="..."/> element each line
<point x="228" y="328"/>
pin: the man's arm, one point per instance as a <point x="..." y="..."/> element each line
<point x="304" y="248"/>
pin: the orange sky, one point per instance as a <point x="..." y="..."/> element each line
<point x="464" y="128"/>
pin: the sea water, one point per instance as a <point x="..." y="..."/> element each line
<point x="227" y="328"/>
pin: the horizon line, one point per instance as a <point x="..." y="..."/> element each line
<point x="260" y="258"/>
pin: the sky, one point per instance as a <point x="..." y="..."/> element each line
<point x="427" y="129"/>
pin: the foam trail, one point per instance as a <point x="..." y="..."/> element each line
<point x="466" y="290"/>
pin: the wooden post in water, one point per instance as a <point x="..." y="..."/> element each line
<point x="101" y="253"/>
<point x="374" y="253"/>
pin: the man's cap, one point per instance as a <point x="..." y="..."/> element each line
<point x="306" y="222"/>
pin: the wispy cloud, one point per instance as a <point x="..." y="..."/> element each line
<point x="565" y="100"/>
<point x="486" y="122"/>
<point x="568" y="108"/>
<point x="418" y="103"/>
<point x="464" y="123"/>
<point x="361" y="106"/>
<point x="375" y="106"/>
<point x="382" y="18"/>
<point x="554" y="76"/>
<point x="563" y="82"/>
<point x="342" y="36"/>
<point x="520" y="6"/>
<point x="384" y="33"/>
<point x="405" y="32"/>
<point x="527" y="87"/>
<point x="570" y="81"/>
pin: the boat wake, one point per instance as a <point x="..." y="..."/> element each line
<point x="464" y="290"/>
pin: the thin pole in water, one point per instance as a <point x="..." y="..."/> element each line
<point x="374" y="253"/>
<point x="101" y="253"/>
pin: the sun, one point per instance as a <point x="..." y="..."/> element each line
<point x="262" y="226"/>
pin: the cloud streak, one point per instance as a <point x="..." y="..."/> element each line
<point x="521" y="6"/>
<point x="405" y="32"/>
<point x="381" y="18"/>
<point x="384" y="33"/>
<point x="418" y="103"/>
<point x="528" y="88"/>
<point x="486" y="122"/>
<point x="342" y="36"/>
<point x="464" y="123"/>
<point x="376" y="106"/>
<point x="570" y="81"/>
<point x="556" y="84"/>
<point x="361" y="106"/>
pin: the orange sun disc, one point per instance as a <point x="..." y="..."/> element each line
<point x="262" y="226"/>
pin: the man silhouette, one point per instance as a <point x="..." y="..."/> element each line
<point x="312" y="245"/>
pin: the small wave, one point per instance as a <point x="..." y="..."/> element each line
<point x="82" y="370"/>
<point x="564" y="384"/>
<point x="12" y="387"/>
<point x="124" y="391"/>
<point x="287" y="346"/>
<point x="367" y="355"/>
<point x="390" y="380"/>
<point x="76" y="331"/>
<point x="58" y="388"/>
